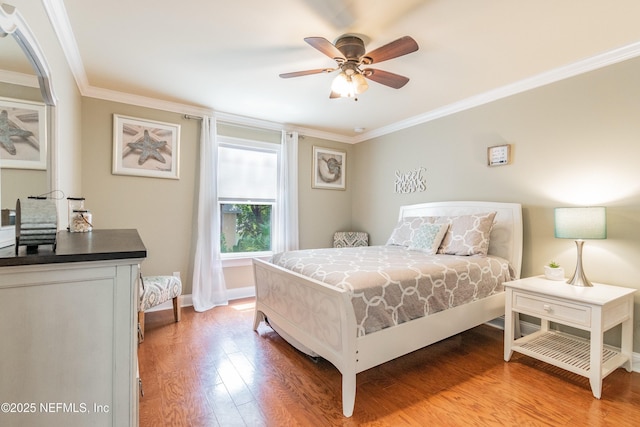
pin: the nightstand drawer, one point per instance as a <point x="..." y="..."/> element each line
<point x="551" y="309"/>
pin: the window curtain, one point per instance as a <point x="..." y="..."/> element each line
<point x="286" y="221"/>
<point x="209" y="289"/>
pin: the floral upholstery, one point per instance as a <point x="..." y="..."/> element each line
<point x="158" y="289"/>
<point x="342" y="239"/>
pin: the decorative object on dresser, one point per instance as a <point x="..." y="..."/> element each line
<point x="156" y="290"/>
<point x="580" y="223"/>
<point x="594" y="309"/>
<point x="36" y="223"/>
<point x="80" y="219"/>
<point x="553" y="271"/>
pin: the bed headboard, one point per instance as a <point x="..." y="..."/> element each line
<point x="506" y="234"/>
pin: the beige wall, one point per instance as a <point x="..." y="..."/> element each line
<point x="575" y="142"/>
<point x="322" y="212"/>
<point x="164" y="210"/>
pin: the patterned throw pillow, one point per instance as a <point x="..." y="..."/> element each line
<point x="428" y="238"/>
<point x="467" y="234"/>
<point x="402" y="234"/>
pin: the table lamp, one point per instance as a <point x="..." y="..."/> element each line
<point x="580" y="224"/>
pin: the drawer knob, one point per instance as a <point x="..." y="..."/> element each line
<point x="546" y="307"/>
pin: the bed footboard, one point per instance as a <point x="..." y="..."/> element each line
<point x="312" y="314"/>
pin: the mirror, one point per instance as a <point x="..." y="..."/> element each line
<point x="24" y="76"/>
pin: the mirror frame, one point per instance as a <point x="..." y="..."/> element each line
<point x="12" y="23"/>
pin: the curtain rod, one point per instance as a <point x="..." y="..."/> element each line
<point x="190" y="117"/>
<point x="242" y="125"/>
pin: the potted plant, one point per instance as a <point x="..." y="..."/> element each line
<point x="553" y="271"/>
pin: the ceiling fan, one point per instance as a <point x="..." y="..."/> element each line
<point x="349" y="54"/>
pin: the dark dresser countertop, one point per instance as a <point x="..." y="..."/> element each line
<point x="96" y="245"/>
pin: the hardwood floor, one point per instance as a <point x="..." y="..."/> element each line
<point x="212" y="369"/>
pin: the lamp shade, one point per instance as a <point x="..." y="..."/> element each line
<point x="581" y="223"/>
<point x="342" y="85"/>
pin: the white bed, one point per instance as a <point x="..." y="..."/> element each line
<point x="319" y="319"/>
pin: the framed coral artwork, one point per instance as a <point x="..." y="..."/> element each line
<point x="145" y="147"/>
<point x="23" y="134"/>
<point x="329" y="169"/>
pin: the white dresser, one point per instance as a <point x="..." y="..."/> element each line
<point x="68" y="331"/>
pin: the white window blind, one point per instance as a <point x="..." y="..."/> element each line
<point x="247" y="173"/>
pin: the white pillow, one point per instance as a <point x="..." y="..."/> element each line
<point x="428" y="237"/>
<point x="467" y="234"/>
<point x="403" y="232"/>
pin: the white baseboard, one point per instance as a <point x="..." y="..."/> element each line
<point x="527" y="328"/>
<point x="187" y="300"/>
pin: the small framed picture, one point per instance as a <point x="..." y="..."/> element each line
<point x="24" y="129"/>
<point x="145" y="148"/>
<point x="329" y="169"/>
<point x="499" y="155"/>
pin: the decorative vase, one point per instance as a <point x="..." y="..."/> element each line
<point x="554" y="273"/>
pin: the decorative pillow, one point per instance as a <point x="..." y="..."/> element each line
<point x="402" y="234"/>
<point x="467" y="234"/>
<point x="428" y="238"/>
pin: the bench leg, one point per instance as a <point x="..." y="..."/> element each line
<point x="140" y="326"/>
<point x="176" y="308"/>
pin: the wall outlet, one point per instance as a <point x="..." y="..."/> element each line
<point x="176" y="274"/>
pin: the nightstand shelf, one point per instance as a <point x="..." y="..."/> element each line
<point x="567" y="352"/>
<point x="594" y="309"/>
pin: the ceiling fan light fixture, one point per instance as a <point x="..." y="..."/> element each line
<point x="360" y="83"/>
<point x="349" y="53"/>
<point x="349" y="84"/>
<point x="343" y="85"/>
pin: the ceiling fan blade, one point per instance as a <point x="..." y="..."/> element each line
<point x="386" y="78"/>
<point x="326" y="47"/>
<point x="334" y="95"/>
<point x="402" y="46"/>
<point x="306" y="73"/>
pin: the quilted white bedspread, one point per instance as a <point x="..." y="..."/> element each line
<point x="390" y="285"/>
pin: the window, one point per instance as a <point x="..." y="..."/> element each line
<point x="247" y="196"/>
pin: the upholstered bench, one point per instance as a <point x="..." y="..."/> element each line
<point x="156" y="290"/>
<point x="343" y="239"/>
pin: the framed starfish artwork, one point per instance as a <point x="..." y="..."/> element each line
<point x="23" y="134"/>
<point x="145" y="148"/>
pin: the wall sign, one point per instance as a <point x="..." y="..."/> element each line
<point x="499" y="155"/>
<point x="411" y="181"/>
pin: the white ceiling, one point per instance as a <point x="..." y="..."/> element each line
<point x="226" y="55"/>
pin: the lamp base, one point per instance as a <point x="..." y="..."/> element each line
<point x="579" y="278"/>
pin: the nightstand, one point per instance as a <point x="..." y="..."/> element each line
<point x="594" y="309"/>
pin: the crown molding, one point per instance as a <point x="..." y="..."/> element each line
<point x="60" y="22"/>
<point x="144" y="101"/>
<point x="584" y="66"/>
<point x="59" y="19"/>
